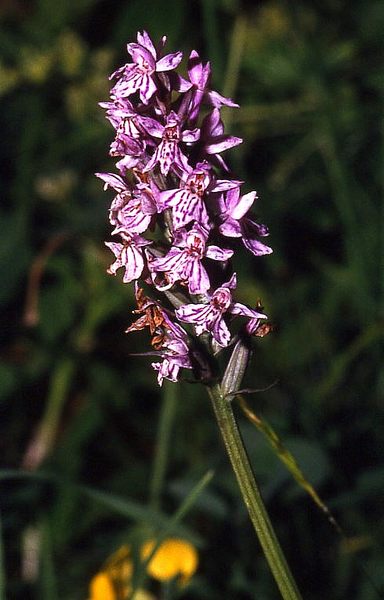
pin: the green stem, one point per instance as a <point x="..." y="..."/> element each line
<point x="251" y="495"/>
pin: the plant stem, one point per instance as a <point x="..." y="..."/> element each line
<point x="251" y="495"/>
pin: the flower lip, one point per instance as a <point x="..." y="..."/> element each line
<point x="196" y="245"/>
<point x="221" y="299"/>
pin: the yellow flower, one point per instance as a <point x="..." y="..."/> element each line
<point x="173" y="558"/>
<point x="101" y="587"/>
<point x="113" y="583"/>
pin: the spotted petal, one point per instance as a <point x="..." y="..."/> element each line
<point x="144" y="40"/>
<point x="221" y="143"/>
<point x="240" y="309"/>
<point x="112" y="180"/>
<point x="216" y="253"/>
<point x="221" y="332"/>
<point x="198" y="280"/>
<point x="128" y="257"/>
<point x="169" y="62"/>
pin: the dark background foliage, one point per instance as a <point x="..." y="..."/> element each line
<point x="78" y="410"/>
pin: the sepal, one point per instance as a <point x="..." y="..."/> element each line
<point x="236" y="367"/>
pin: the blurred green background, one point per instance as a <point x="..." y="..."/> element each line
<point x="79" y="415"/>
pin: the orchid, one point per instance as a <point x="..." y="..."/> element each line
<point x="187" y="201"/>
<point x="236" y="224"/>
<point x="168" y="154"/>
<point x="139" y="75"/>
<point x="175" y="355"/>
<point x="129" y="256"/>
<point x="175" y="213"/>
<point x="183" y="261"/>
<point x="214" y="140"/>
<point x="199" y="75"/>
<point x="209" y="317"/>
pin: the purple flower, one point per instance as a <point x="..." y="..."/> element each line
<point x="132" y="209"/>
<point x="168" y="153"/>
<point x="123" y="117"/>
<point x="170" y="183"/>
<point x="114" y="181"/>
<point x="174" y="352"/>
<point x="209" y="317"/>
<point x="124" y="145"/>
<point x="169" y="340"/>
<point x="213" y="138"/>
<point x="133" y="152"/>
<point x="236" y="224"/>
<point x="183" y="261"/>
<point x="129" y="255"/>
<point x="199" y="75"/>
<point x="187" y="202"/>
<point x="135" y="214"/>
<point x="139" y="75"/>
<point x="131" y="138"/>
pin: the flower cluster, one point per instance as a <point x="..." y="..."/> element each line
<point x="176" y="214"/>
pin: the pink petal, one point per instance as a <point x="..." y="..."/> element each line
<point x="170" y="262"/>
<point x="198" y="281"/>
<point x="190" y="135"/>
<point x="256" y="247"/>
<point x="221" y="332"/>
<point x="138" y="52"/>
<point x="147" y="89"/>
<point x="218" y="100"/>
<point x="133" y="263"/>
<point x="170" y="198"/>
<point x="169" y="62"/>
<point x="198" y="74"/>
<point x="114" y="247"/>
<point x="216" y="253"/>
<point x="191" y="313"/>
<point x="145" y="40"/>
<point x="179" y="84"/>
<point x="231" y="228"/>
<point x="243" y="206"/>
<point x="153" y="127"/>
<point x="222" y="142"/>
<point x="240" y="309"/>
<point x="213" y="123"/>
<point x="114" y="181"/>
<point x="187" y="209"/>
<point x="223" y="185"/>
<point x="232" y="283"/>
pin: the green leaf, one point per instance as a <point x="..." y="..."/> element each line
<point x="286" y="456"/>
